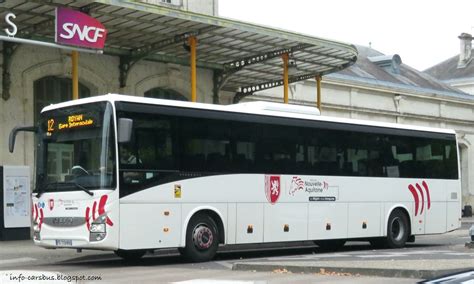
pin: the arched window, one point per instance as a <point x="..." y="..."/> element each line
<point x="50" y="90"/>
<point x="163" y="93"/>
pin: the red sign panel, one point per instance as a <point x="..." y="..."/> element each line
<point x="78" y="29"/>
<point x="51" y="204"/>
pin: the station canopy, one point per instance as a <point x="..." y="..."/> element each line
<point x="244" y="57"/>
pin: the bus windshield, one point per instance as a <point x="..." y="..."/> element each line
<point x="76" y="149"/>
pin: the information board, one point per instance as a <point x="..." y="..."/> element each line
<point x="16" y="197"/>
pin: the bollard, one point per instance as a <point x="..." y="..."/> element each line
<point x="467" y="211"/>
<point x="471" y="233"/>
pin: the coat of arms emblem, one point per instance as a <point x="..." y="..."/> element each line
<point x="272" y="188"/>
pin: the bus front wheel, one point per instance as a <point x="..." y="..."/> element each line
<point x="202" y="239"/>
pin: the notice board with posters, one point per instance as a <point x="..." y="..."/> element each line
<point x="15" y="202"/>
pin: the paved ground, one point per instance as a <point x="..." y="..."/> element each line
<point x="428" y="257"/>
<point x="303" y="263"/>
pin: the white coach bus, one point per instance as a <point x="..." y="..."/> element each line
<point x="133" y="174"/>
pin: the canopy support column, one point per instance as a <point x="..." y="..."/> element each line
<point x="318" y="91"/>
<point x="75" y="75"/>
<point x="192" y="45"/>
<point x="8" y="50"/>
<point x="285" y="58"/>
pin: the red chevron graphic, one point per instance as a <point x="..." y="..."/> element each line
<point x="415" y="197"/>
<point x="422" y="198"/>
<point x="41" y="217"/>
<point x="93" y="210"/>
<point x="87" y="219"/>
<point x="427" y="193"/>
<point x="36" y="212"/>
<point x="101" y="210"/>
<point x="417" y="193"/>
<point x="91" y="216"/>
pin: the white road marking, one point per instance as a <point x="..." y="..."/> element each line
<point x="381" y="256"/>
<point x="459" y="253"/>
<point x="15" y="260"/>
<point x="424" y="252"/>
<point x="331" y="255"/>
<point x="219" y="281"/>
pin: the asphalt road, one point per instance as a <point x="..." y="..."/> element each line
<point x="21" y="259"/>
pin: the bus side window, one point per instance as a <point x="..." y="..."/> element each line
<point x="150" y="151"/>
<point x="244" y="157"/>
<point x="243" y="147"/>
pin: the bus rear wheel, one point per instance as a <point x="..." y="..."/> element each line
<point x="397" y="229"/>
<point x="202" y="239"/>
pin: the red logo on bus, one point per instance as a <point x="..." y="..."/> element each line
<point x="51" y="204"/>
<point x="38" y="214"/>
<point x="417" y="192"/>
<point x="97" y="210"/>
<point x="272" y="188"/>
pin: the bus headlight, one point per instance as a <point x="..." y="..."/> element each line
<point x="36" y="227"/>
<point x="36" y="232"/>
<point x="97" y="228"/>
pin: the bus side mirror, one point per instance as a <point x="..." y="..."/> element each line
<point x="12" y="137"/>
<point x="125" y="130"/>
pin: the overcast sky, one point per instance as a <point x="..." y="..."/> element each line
<point x="424" y="33"/>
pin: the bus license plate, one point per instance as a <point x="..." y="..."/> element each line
<point x="64" y="242"/>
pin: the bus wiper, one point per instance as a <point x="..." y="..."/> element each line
<point x="83" y="188"/>
<point x="59" y="184"/>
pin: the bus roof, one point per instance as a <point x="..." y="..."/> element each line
<point x="256" y="108"/>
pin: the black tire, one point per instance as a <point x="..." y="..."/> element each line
<point x="130" y="255"/>
<point x="330" y="245"/>
<point x="398" y="230"/>
<point x="202" y="239"/>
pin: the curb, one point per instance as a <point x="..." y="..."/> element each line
<point x="394" y="273"/>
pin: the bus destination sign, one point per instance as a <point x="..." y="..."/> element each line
<point x="69" y="122"/>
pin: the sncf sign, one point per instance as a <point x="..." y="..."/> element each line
<point x="78" y="29"/>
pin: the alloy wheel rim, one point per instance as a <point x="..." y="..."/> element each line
<point x="202" y="237"/>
